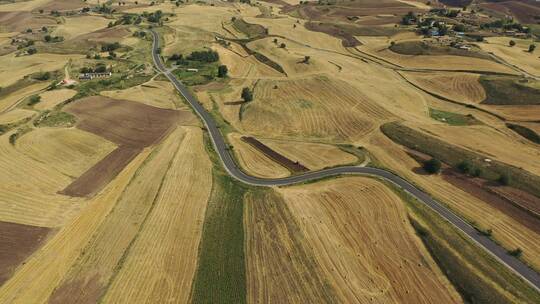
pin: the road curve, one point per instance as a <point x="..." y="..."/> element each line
<point x="514" y="264"/>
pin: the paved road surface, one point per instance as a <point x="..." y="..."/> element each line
<point x="522" y="270"/>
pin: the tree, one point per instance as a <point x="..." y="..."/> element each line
<point x="432" y="166"/>
<point x="512" y="43"/>
<point x="306" y="59"/>
<point x="247" y="95"/>
<point x="31" y="51"/>
<point x="504" y="179"/>
<point x="275" y="40"/>
<point x="532" y="47"/>
<point x="47" y="38"/>
<point x="282" y="45"/>
<point x="516" y="252"/>
<point x="222" y="71"/>
<point x="44" y="29"/>
<point x="465" y="167"/>
<point x="34" y="99"/>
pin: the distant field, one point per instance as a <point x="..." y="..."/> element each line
<point x="302" y="108"/>
<point x="509" y="91"/>
<point x="462" y="87"/>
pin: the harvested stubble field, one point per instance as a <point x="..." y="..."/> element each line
<point x="157" y="221"/>
<point x="160" y="94"/>
<point x="331" y="233"/>
<point x="316" y="108"/>
<point x="131" y="125"/>
<point x="15" y="115"/>
<point x="461" y="87"/>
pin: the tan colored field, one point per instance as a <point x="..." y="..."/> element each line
<point x="353" y="233"/>
<point x="506" y="230"/>
<point x="284" y="27"/>
<point x="166" y="248"/>
<point x="50" y="99"/>
<point x="40" y="275"/>
<point x="516" y="55"/>
<point x="15" y="115"/>
<point x="159" y="94"/>
<point x="76" y="26"/>
<point x="518" y="113"/>
<point x="255" y="162"/>
<point x="312" y="155"/>
<point x="28" y="190"/>
<point x="378" y="47"/>
<point x="280" y="264"/>
<point x="8" y="102"/>
<point x="18" y="67"/>
<point x="316" y="108"/>
<point x="110" y="241"/>
<point x="69" y="151"/>
<point x="462" y="87"/>
<point x="23" y="5"/>
<point x="492" y="143"/>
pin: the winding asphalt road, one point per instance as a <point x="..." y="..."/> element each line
<point x="518" y="267"/>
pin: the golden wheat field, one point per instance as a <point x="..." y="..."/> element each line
<point x="461" y="87"/>
<point x="332" y="230"/>
<point x="111" y="190"/>
<point x="159" y="94"/>
<point x="50" y="99"/>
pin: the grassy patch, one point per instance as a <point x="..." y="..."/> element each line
<point x="454" y="155"/>
<point x="421" y="48"/>
<point x="248" y="29"/>
<point x="221" y="274"/>
<point x="116" y="82"/>
<point x="477" y="276"/>
<point x="453" y="119"/>
<point x="359" y="152"/>
<point x="206" y="72"/>
<point x="525" y="132"/>
<point x="503" y="90"/>
<point x="55" y="119"/>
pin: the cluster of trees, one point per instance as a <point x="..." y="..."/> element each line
<point x="127" y="19"/>
<point x="506" y="24"/>
<point x="100" y="68"/>
<point x="154" y="17"/>
<point x="204" y="56"/>
<point x="433" y="166"/>
<point x="52" y="39"/>
<point x="42" y="76"/>
<point x="109" y="47"/>
<point x="140" y="34"/>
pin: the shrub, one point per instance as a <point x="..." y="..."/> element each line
<point x="282" y="45"/>
<point x="504" y="179"/>
<point x="516" y="252"/>
<point x="247" y="95"/>
<point x="432" y="166"/>
<point x="465" y="166"/>
<point x="204" y="56"/>
<point x="512" y="43"/>
<point x="222" y="71"/>
<point x="532" y="47"/>
<point x="34" y="99"/>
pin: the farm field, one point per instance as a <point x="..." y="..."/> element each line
<point x="112" y="190"/>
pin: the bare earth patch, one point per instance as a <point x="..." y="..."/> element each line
<point x="17" y="242"/>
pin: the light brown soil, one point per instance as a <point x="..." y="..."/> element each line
<point x="131" y="125"/>
<point x="124" y="122"/>
<point x="17" y="242"/>
<point x="99" y="175"/>
<point x="474" y="186"/>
